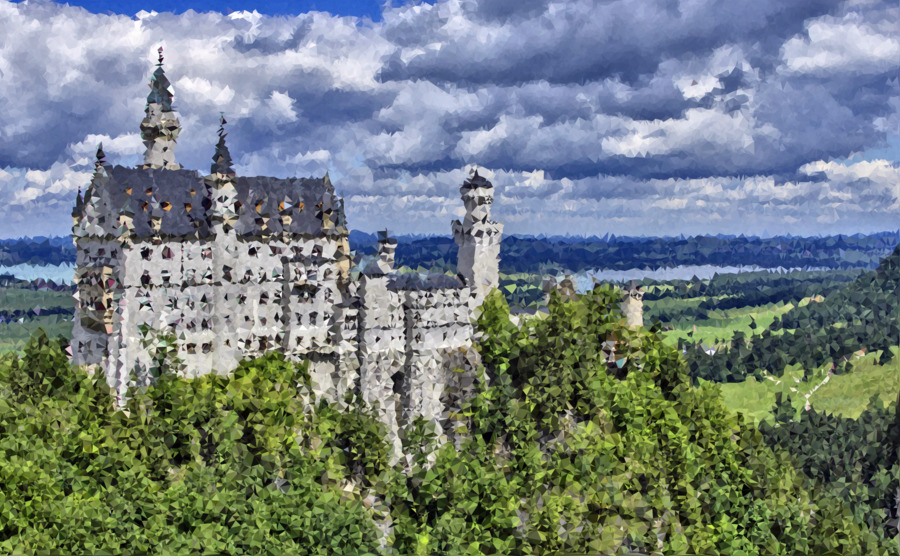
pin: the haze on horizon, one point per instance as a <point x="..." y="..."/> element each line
<point x="637" y="117"/>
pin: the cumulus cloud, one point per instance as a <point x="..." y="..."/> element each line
<point x="635" y="116"/>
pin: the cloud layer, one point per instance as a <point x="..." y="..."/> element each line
<point x="634" y="117"/>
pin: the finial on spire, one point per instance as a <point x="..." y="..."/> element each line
<point x="160" y="126"/>
<point x="222" y="123"/>
<point x="222" y="157"/>
<point x="101" y="157"/>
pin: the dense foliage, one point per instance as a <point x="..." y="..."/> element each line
<point x="748" y="289"/>
<point x="856" y="459"/>
<point x="579" y="446"/>
<point x="588" y="438"/>
<point x="239" y="465"/>
<point x="864" y="314"/>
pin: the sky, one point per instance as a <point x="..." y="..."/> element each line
<point x="630" y="117"/>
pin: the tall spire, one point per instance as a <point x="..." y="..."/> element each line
<point x="160" y="126"/>
<point x="222" y="157"/>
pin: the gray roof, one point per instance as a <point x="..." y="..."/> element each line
<point x="189" y="214"/>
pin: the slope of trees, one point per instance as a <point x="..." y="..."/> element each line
<point x="856" y="459"/>
<point x="587" y="439"/>
<point x="862" y="314"/>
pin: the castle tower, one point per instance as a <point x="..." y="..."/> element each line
<point x="478" y="258"/>
<point x="632" y="305"/>
<point x="160" y="127"/>
<point x="225" y="252"/>
<point x="96" y="268"/>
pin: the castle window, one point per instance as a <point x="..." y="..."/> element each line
<point x="206" y="254"/>
<point x="148" y="192"/>
<point x="167" y="253"/>
<point x="193" y="192"/>
<point x="264" y="297"/>
<point x="312" y="318"/>
<point x="252" y="251"/>
<point x="204" y="324"/>
<point x="144" y="206"/>
<point x="207" y="347"/>
<point x="191" y="348"/>
<point x="237" y="207"/>
<point x="262" y="321"/>
<point x="242" y="298"/>
<point x="187" y="206"/>
<point x="145" y="279"/>
<point x="101" y="252"/>
<point x="166" y="206"/>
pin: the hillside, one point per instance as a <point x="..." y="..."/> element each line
<point x="862" y="315"/>
<point x="588" y="439"/>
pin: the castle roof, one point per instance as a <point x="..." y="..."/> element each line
<point x="477" y="181"/>
<point x="167" y="195"/>
<point x="160" y="87"/>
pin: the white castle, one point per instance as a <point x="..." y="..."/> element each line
<point x="232" y="267"/>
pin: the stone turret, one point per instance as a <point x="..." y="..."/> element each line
<point x="221" y="182"/>
<point x="633" y="306"/>
<point x="160" y="126"/>
<point x="478" y="258"/>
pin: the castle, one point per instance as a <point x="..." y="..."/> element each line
<point x="222" y="267"/>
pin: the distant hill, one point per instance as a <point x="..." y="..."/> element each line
<point x="530" y="254"/>
<point x="551" y="254"/>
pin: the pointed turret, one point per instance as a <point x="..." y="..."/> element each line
<point x="221" y="184"/>
<point x="160" y="126"/>
<point x="478" y="237"/>
<point x="222" y="157"/>
<point x="99" y="163"/>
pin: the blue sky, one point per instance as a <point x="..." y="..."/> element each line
<point x="632" y="117"/>
<point x="359" y="8"/>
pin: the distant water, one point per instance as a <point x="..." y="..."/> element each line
<point x="61" y="274"/>
<point x="64" y="273"/>
<point x="584" y="281"/>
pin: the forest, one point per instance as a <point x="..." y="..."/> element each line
<point x="686" y="436"/>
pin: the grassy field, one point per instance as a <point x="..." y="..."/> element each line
<point x="13" y="299"/>
<point x="14" y="336"/>
<point x="723" y="323"/>
<point x="844" y="395"/>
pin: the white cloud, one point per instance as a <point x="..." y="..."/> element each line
<point x="847" y="45"/>
<point x="281" y="108"/>
<point x="592" y="115"/>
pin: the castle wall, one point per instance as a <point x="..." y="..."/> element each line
<point x="436" y="323"/>
<point x="224" y="286"/>
<point x="382" y="350"/>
